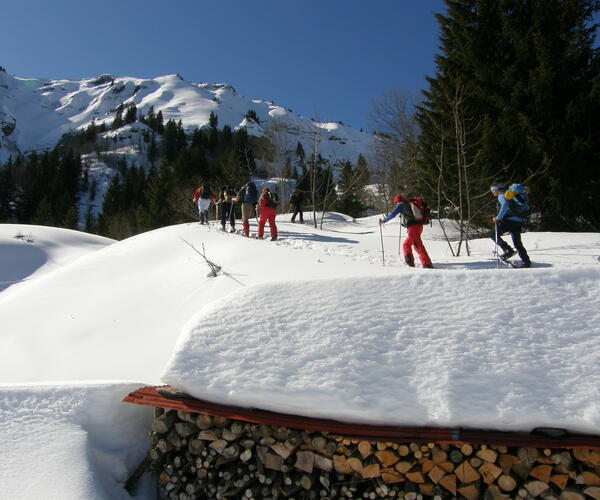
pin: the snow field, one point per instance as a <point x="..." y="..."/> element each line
<point x="409" y="350"/>
<point x="312" y="324"/>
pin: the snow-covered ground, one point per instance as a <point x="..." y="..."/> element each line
<point x="313" y="324"/>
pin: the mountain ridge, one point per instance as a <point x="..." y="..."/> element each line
<point x="36" y="112"/>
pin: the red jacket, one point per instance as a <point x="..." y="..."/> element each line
<point x="198" y="192"/>
<point x="264" y="200"/>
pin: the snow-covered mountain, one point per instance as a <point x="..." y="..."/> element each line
<point x="35" y="113"/>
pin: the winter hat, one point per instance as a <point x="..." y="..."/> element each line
<point x="398" y="198"/>
<point x="496" y="187"/>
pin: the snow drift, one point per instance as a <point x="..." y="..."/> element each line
<point x="406" y="350"/>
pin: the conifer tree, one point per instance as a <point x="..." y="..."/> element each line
<point x="70" y="219"/>
<point x="171" y="140"/>
<point x="158" y="212"/>
<point x="160" y="126"/>
<point x="351" y="185"/>
<point x="514" y="98"/>
<point x="130" y="114"/>
<point x="90" y="220"/>
<point x="7" y="191"/>
<point x="43" y="215"/>
<point x="118" y="120"/>
<point x="213" y="120"/>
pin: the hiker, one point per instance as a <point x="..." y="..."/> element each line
<point x="204" y="197"/>
<point x="505" y="222"/>
<point x="227" y="207"/>
<point x="296" y="201"/>
<point x="248" y="196"/>
<point x="267" y="210"/>
<point x="414" y="228"/>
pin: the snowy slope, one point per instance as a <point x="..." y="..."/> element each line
<point x="70" y="441"/>
<point x="135" y="309"/>
<point x="31" y="251"/>
<point x="35" y="113"/>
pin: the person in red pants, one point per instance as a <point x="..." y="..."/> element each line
<point x="267" y="210"/>
<point x="414" y="229"/>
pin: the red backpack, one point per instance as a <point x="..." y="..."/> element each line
<point x="420" y="210"/>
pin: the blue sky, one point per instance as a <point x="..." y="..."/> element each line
<point x="326" y="59"/>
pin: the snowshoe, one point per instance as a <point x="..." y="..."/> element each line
<point x="508" y="254"/>
<point x="514" y="265"/>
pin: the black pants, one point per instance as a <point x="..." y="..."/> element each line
<point x="227" y="212"/>
<point x="297" y="211"/>
<point x="514" y="228"/>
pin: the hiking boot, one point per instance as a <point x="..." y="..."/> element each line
<point x="232" y="230"/>
<point x="428" y="266"/>
<point x="259" y="237"/>
<point x="526" y="264"/>
<point x="409" y="260"/>
<point x="274" y="238"/>
<point x="223" y="228"/>
<point x="508" y="254"/>
<point x="246" y="235"/>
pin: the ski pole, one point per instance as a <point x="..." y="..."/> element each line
<point x="400" y="240"/>
<point x="230" y="211"/>
<point x="382" y="249"/>
<point x="496" y="247"/>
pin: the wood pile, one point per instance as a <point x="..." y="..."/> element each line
<point x="196" y="456"/>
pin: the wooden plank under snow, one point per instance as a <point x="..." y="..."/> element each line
<point x="168" y="398"/>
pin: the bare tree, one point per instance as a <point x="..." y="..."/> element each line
<point x="393" y="117"/>
<point x="278" y="151"/>
<point x="313" y="172"/>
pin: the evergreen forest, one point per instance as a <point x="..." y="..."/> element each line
<point x="49" y="188"/>
<point x="515" y="98"/>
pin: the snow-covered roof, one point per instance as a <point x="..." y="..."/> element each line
<point x="437" y="349"/>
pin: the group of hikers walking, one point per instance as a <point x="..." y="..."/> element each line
<point x="513" y="206"/>
<point x="253" y="204"/>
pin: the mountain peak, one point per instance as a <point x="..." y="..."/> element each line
<point x="40" y="111"/>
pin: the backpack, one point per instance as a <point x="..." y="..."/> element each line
<point x="518" y="200"/>
<point x="251" y="193"/>
<point x="229" y="194"/>
<point x="272" y="200"/>
<point x="205" y="193"/>
<point x="420" y="210"/>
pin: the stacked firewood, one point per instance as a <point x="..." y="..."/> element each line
<point x="196" y="456"/>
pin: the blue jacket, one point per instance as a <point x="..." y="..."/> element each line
<point x="504" y="208"/>
<point x="248" y="193"/>
<point x="398" y="209"/>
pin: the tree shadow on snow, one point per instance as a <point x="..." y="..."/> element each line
<point x="315" y="237"/>
<point x="18" y="262"/>
<point x="486" y="264"/>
